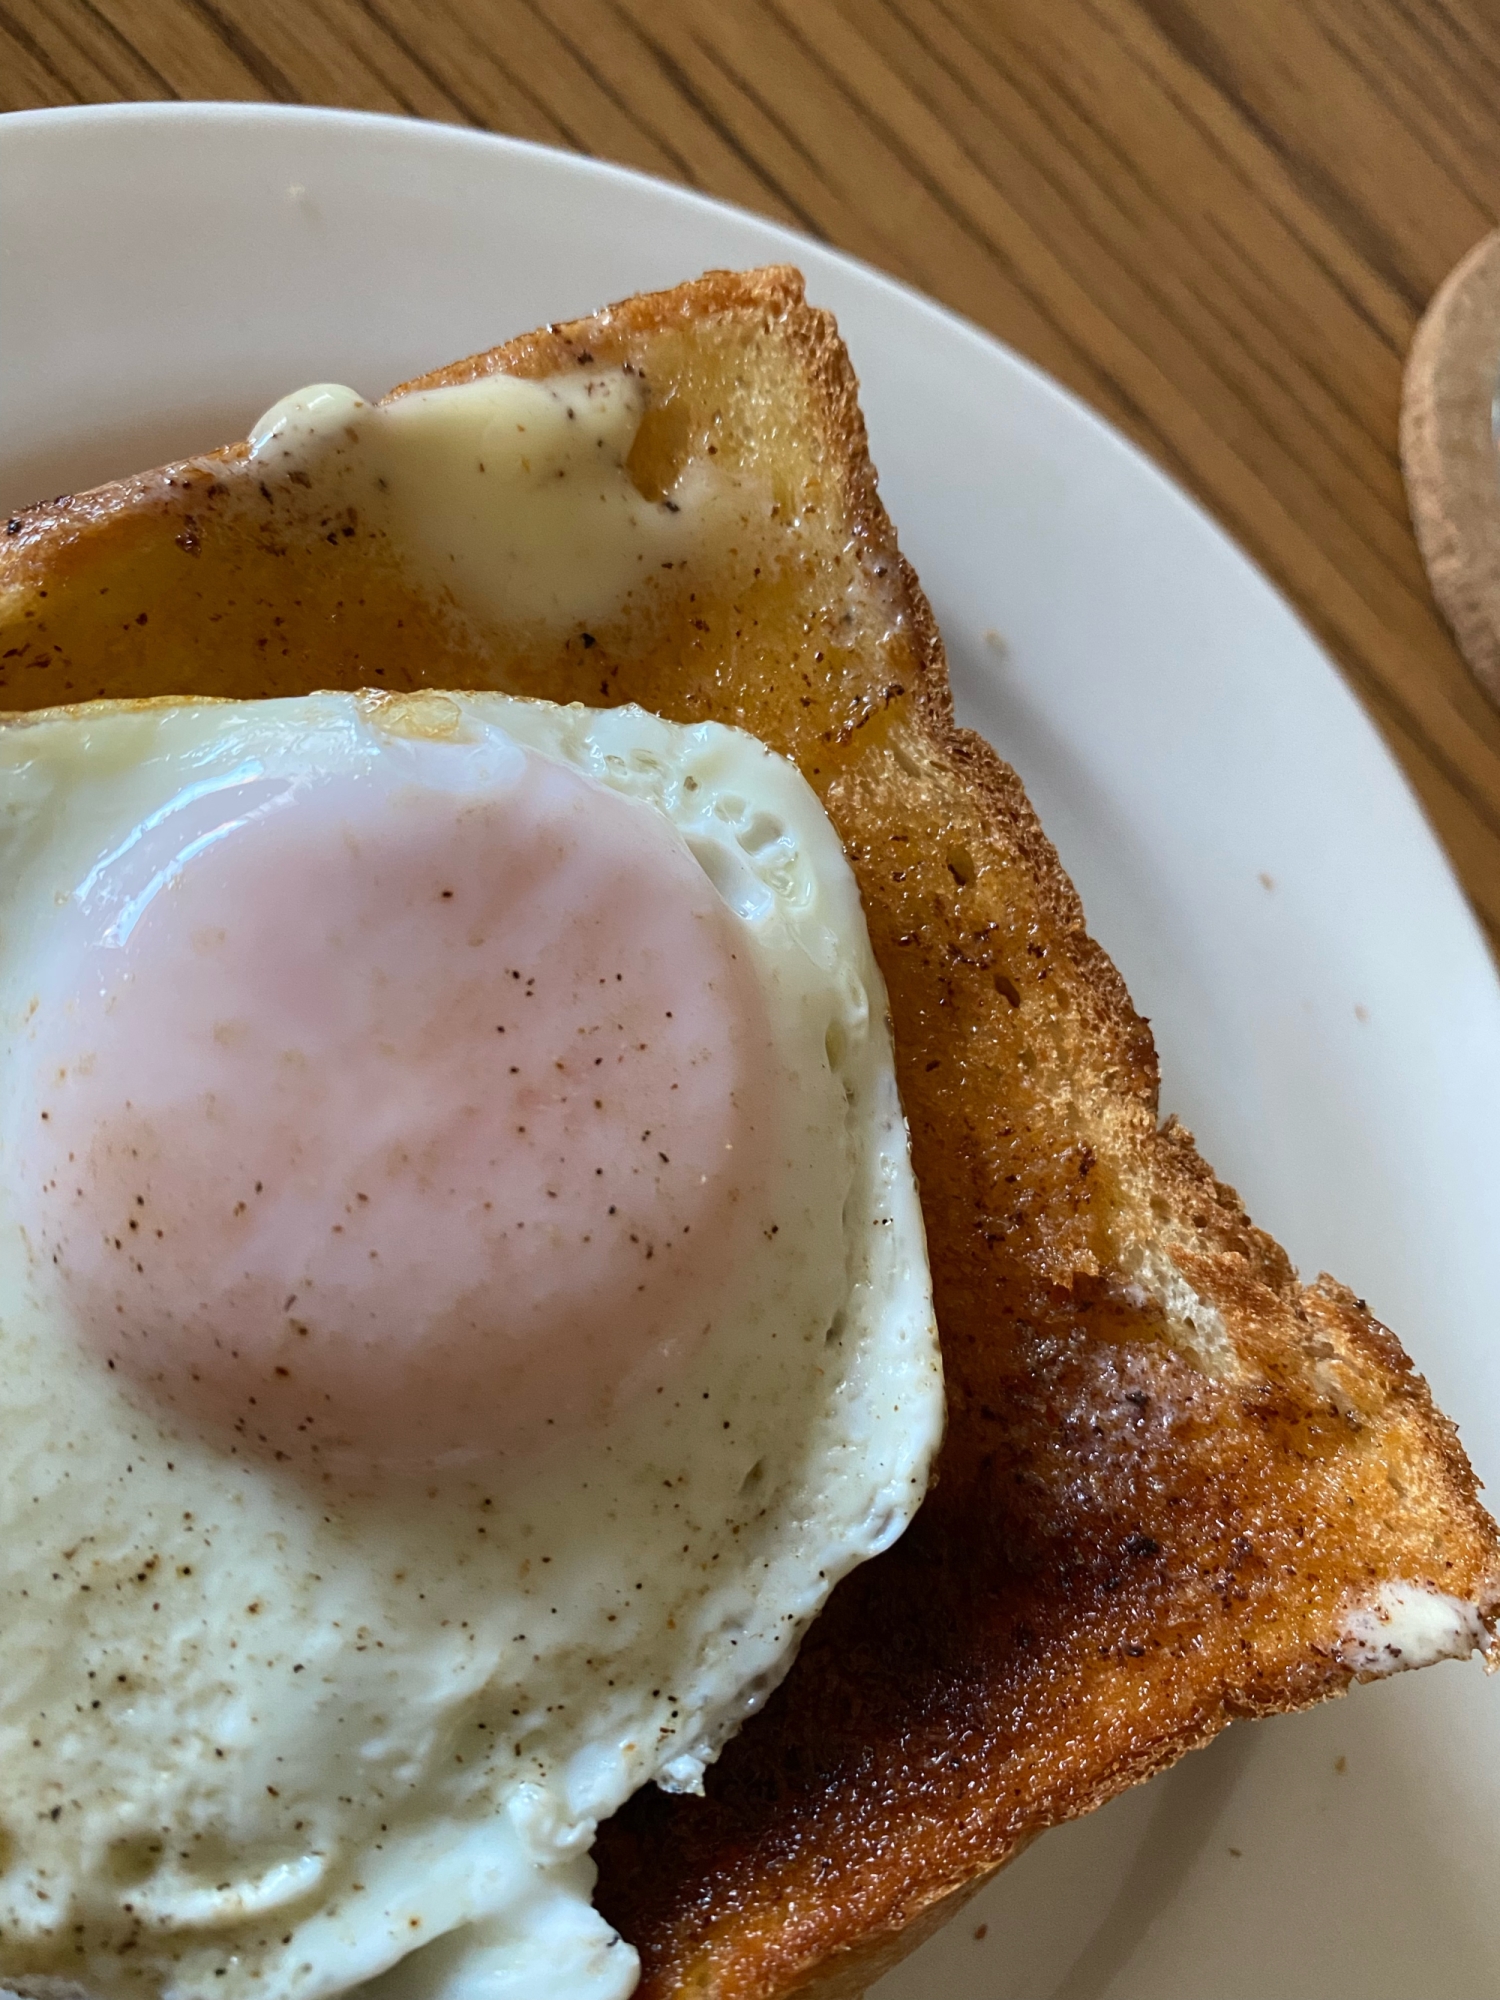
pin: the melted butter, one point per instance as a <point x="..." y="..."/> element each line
<point x="514" y="495"/>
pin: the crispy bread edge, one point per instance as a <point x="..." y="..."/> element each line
<point x="778" y="292"/>
<point x="1232" y="1250"/>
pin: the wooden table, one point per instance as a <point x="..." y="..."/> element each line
<point x="1217" y="220"/>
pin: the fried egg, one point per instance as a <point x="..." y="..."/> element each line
<point x="463" y="1305"/>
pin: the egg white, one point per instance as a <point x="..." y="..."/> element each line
<point x="255" y="1743"/>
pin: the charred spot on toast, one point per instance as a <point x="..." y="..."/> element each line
<point x="1169" y="1468"/>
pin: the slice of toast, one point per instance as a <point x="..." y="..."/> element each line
<point x="1178" y="1487"/>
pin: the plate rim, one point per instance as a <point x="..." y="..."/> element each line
<point x="228" y="112"/>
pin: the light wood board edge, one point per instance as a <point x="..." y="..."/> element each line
<point x="1450" y="456"/>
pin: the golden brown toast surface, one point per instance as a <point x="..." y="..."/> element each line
<point x="1172" y="1474"/>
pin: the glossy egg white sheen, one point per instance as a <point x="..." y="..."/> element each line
<point x="280" y="1742"/>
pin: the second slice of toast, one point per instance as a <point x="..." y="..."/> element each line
<point x="1179" y="1487"/>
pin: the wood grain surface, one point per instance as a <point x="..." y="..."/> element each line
<point x="1217" y="220"/>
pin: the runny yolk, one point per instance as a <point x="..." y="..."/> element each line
<point x="396" y="1126"/>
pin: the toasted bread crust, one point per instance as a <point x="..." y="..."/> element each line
<point x="1171" y="1471"/>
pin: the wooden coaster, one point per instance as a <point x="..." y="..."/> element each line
<point x="1450" y="455"/>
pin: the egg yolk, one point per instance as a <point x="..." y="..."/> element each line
<point x="397" y="1125"/>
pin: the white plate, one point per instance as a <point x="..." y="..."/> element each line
<point x="1328" y="1017"/>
